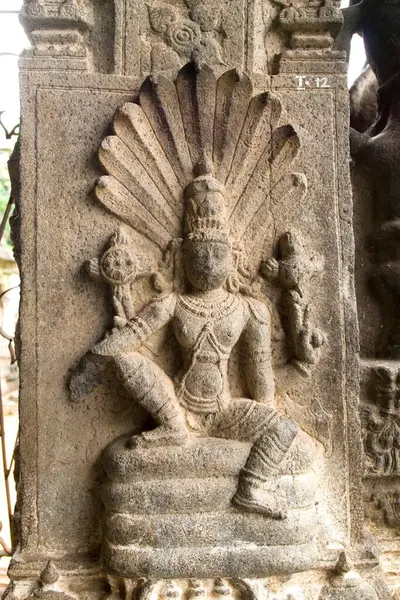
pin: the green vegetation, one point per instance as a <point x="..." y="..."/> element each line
<point x="4" y="193"/>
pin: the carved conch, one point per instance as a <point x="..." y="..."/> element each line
<point x="175" y="125"/>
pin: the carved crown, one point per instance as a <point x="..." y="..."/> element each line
<point x="199" y="155"/>
<point x="205" y="209"/>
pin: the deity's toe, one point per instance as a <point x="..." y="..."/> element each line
<point x="256" y="499"/>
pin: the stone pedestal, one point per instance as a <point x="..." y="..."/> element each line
<point x="169" y="513"/>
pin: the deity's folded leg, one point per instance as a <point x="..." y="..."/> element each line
<point x="272" y="434"/>
<point x="150" y="387"/>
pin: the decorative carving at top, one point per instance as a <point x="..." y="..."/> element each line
<point x="57" y="29"/>
<point x="182" y="35"/>
<point x="165" y="34"/>
<point x="60" y="14"/>
<point x="310" y="24"/>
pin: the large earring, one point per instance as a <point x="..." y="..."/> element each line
<point x="169" y="275"/>
<point x="237" y="281"/>
<point x="233" y="284"/>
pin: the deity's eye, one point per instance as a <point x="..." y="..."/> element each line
<point x="219" y="252"/>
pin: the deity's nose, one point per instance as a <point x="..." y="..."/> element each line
<point x="208" y="258"/>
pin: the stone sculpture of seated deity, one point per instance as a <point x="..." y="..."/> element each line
<point x="208" y="321"/>
<point x="224" y="484"/>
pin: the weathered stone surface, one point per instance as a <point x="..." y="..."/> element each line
<point x="188" y="504"/>
<point x="202" y="218"/>
<point x="376" y="192"/>
<point x="204" y="457"/>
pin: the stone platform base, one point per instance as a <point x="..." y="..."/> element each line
<point x="244" y="561"/>
<point x="168" y="512"/>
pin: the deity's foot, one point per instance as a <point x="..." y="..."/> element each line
<point x="256" y="498"/>
<point x="160" y="436"/>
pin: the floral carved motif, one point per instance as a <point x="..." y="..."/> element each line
<point x="185" y="34"/>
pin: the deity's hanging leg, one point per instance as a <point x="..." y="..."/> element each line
<point x="250" y="421"/>
<point x="153" y="390"/>
<point x="256" y="490"/>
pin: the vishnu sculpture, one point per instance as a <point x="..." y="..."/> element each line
<point x="189" y="352"/>
<point x="208" y="321"/>
<point x="200" y="190"/>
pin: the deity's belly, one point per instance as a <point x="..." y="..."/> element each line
<point x="205" y="380"/>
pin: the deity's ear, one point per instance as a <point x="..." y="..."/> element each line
<point x="233" y="284"/>
<point x="170" y="268"/>
<point x="179" y="271"/>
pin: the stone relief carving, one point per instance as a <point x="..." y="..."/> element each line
<point x="191" y="168"/>
<point x="56" y="29"/>
<point x="389" y="503"/>
<point x="381" y="421"/>
<point x="194" y="33"/>
<point x="312" y="25"/>
<point x="293" y="272"/>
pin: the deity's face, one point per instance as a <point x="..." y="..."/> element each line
<point x="208" y="263"/>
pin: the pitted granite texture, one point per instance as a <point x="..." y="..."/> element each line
<point x="189" y="367"/>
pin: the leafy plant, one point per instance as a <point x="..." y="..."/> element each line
<point x="5" y="188"/>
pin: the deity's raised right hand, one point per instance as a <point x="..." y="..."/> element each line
<point x="119" y="342"/>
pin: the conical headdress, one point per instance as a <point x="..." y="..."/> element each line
<point x="205" y="207"/>
<point x="214" y="125"/>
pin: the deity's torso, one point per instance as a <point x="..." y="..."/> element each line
<point x="207" y="332"/>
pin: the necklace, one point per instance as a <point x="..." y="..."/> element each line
<point x="211" y="310"/>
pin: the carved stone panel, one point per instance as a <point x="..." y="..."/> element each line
<point x="190" y="380"/>
<point x="271" y="196"/>
<point x="251" y="34"/>
<point x="376" y="191"/>
<point x="134" y="37"/>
